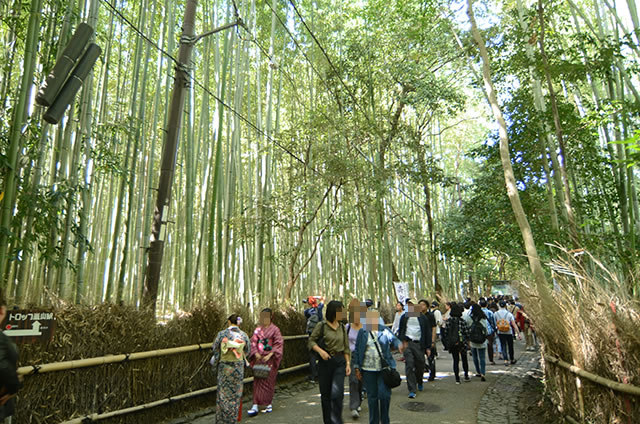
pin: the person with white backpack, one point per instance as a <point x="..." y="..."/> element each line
<point x="506" y="326"/>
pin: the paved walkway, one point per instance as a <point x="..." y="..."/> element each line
<point x="442" y="401"/>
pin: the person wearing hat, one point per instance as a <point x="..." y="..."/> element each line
<point x="418" y="338"/>
<point x="313" y="314"/>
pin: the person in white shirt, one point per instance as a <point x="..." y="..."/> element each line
<point x="396" y="320"/>
<point x="439" y="323"/>
<point x="418" y="337"/>
<point x="505" y="322"/>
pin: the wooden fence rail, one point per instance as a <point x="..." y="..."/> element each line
<point x="130" y="410"/>
<point x="111" y="359"/>
<point x="613" y="385"/>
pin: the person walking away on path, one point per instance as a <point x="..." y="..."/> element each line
<point x="493" y="307"/>
<point x="478" y="338"/>
<point x="431" y="356"/>
<point x="491" y="329"/>
<point x="445" y="317"/>
<point x="230" y="350"/>
<point x="467" y="309"/>
<point x="456" y="339"/>
<point x="528" y="331"/>
<point x="313" y="315"/>
<point x="516" y="311"/>
<point x="396" y="319"/>
<point x="439" y="323"/>
<point x="330" y="341"/>
<point x="373" y="347"/>
<point x="416" y="336"/>
<point x="10" y="382"/>
<point x="506" y="325"/>
<point x="357" y="312"/>
<point x="266" y="350"/>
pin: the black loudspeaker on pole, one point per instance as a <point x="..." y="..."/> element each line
<point x="73" y="84"/>
<point x="63" y="66"/>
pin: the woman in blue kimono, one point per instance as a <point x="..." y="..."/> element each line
<point x="230" y="350"/>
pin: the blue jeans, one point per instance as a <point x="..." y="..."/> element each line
<point x="478" y="360"/>
<point x="378" y="397"/>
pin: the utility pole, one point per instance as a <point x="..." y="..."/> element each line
<point x="170" y="149"/>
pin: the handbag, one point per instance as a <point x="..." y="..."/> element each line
<point x="261" y="371"/>
<point x="390" y="376"/>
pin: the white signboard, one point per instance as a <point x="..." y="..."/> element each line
<point x="402" y="291"/>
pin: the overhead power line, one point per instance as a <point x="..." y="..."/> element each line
<point x="242" y="117"/>
<point x="142" y="35"/>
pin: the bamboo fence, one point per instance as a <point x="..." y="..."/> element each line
<point x="111" y="359"/>
<point x="111" y="414"/>
<point x="613" y="385"/>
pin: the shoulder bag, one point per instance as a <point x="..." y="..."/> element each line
<point x="390" y="376"/>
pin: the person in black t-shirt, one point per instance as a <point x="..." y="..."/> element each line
<point x="431" y="352"/>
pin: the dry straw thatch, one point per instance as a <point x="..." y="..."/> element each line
<point x="84" y="332"/>
<point x="597" y="332"/>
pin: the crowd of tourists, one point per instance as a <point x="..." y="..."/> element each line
<point x="353" y="343"/>
<point x="346" y="343"/>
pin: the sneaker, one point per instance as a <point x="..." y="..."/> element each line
<point x="466" y="378"/>
<point x="355" y="414"/>
<point x="252" y="412"/>
<point x="457" y="380"/>
<point x="268" y="409"/>
<point x="420" y="387"/>
<point x="431" y="379"/>
<point x="412" y="395"/>
<point x="478" y="375"/>
<point x="513" y="361"/>
<point x="482" y="378"/>
<point x="492" y="363"/>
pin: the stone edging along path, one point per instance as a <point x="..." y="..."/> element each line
<point x="499" y="405"/>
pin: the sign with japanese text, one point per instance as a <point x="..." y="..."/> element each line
<point x="402" y="291"/>
<point x="26" y="326"/>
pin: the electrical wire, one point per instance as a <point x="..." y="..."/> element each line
<point x="203" y="87"/>
<point x="233" y="110"/>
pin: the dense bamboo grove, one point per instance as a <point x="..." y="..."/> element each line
<point x="324" y="147"/>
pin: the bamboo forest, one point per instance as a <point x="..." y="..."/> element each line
<point x="170" y="159"/>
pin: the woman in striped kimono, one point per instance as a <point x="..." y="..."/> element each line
<point x="266" y="349"/>
<point x="230" y="350"/>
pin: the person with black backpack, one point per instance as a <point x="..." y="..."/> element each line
<point x="478" y="337"/>
<point x="313" y="314"/>
<point x="456" y="340"/>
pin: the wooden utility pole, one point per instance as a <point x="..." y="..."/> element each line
<point x="170" y="150"/>
<point x="168" y="161"/>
